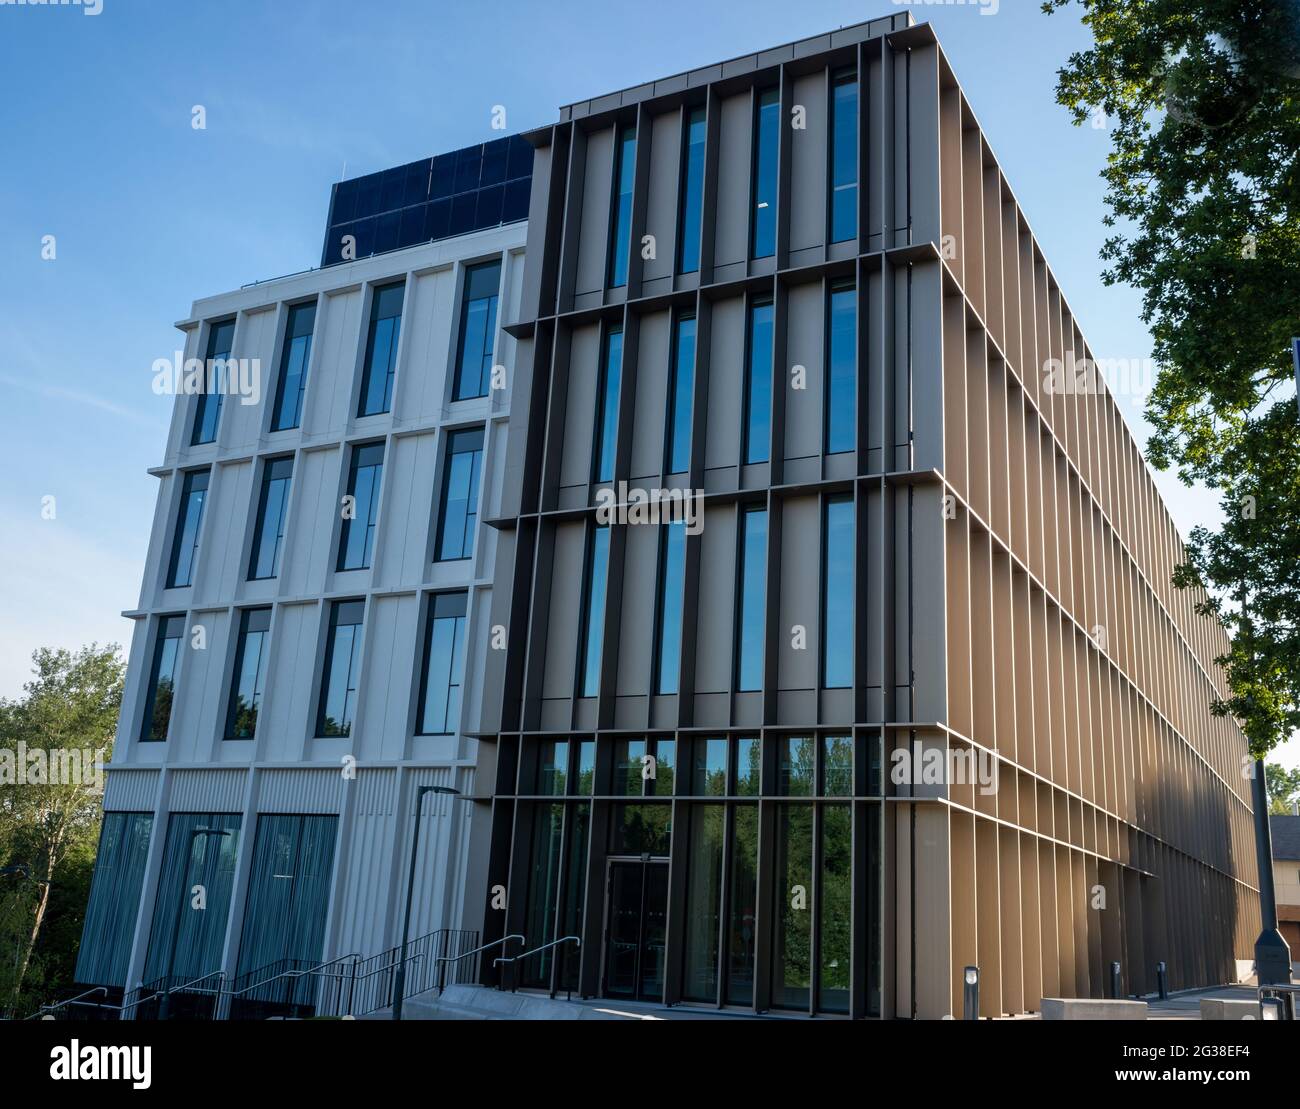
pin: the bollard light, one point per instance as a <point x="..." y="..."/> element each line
<point x="1116" y="981"/>
<point x="971" y="993"/>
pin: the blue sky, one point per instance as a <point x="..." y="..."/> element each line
<point x="150" y="214"/>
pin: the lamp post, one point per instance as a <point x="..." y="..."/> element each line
<point x="164" y="1011"/>
<point x="970" y="993"/>
<point x="1272" y="955"/>
<point x="399" y="981"/>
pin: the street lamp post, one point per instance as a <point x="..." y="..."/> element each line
<point x="1272" y="955"/>
<point x="164" y="1011"/>
<point x="399" y="981"/>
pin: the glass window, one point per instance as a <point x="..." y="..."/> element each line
<point x="207" y="414"/>
<point x="356" y="539"/>
<point x="709" y="777"/>
<point x="381" y="349"/>
<point x="543" y="892"/>
<point x="748" y="768"/>
<point x="703" y="903"/>
<point x="753" y="598"/>
<point x="743" y="902"/>
<point x="672" y="581"/>
<point x="794" y="766"/>
<point x="444" y="664"/>
<point x="842" y="366"/>
<point x="793" y="892"/>
<point x="293" y="366"/>
<point x="272" y="508"/>
<point x="621" y="229"/>
<point x="607" y="412"/>
<point x="585" y="767"/>
<point x="185" y="542"/>
<point x="641" y="829"/>
<point x="191" y="946"/>
<point x="478" y="330"/>
<point x="835" y="908"/>
<point x="758" y="383"/>
<point x="767" y="132"/>
<point x="629" y="767"/>
<point x="844" y="156"/>
<point x="552" y="767"/>
<point x="688" y="255"/>
<point x="458" y="510"/>
<point x="665" y="755"/>
<point x="682" y="397"/>
<point x="249" y="680"/>
<point x="287" y="904"/>
<point x="338" y="694"/>
<point x="593" y="620"/>
<point x="837" y="594"/>
<point x="837" y="766"/>
<point x="575" y="888"/>
<point x="162" y="678"/>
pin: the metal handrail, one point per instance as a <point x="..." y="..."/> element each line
<point x="294" y="974"/>
<point x="482" y="947"/>
<point x="155" y="993"/>
<point x="525" y="954"/>
<point x="1281" y="988"/>
<point x="68" y="1001"/>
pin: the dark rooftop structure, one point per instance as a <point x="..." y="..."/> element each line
<point x="435" y="198"/>
<point x="1286" y="836"/>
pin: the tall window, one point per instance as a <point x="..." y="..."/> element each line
<point x="458" y="510"/>
<point x="338" y="691"/>
<point x="837" y="594"/>
<point x="478" y="328"/>
<point x="293" y="367"/>
<point x="767" y="133"/>
<point x="688" y="255"/>
<point x="356" y="540"/>
<point x="185" y="542"/>
<point x="207" y="415"/>
<point x="444" y="664"/>
<point x="842" y="363"/>
<point x="593" y="616"/>
<point x="682" y="397"/>
<point x="381" y="349"/>
<point x="272" y="507"/>
<point x="672" y="581"/>
<point x="607" y="413"/>
<point x="621" y="225"/>
<point x="162" y="678"/>
<point x="844" y="156"/>
<point x="753" y="598"/>
<point x="249" y="680"/>
<point x="758" y="383"/>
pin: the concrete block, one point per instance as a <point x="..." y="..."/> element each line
<point x="1092" y="1008"/>
<point x="1222" y="1008"/>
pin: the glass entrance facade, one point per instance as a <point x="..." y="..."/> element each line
<point x="727" y="870"/>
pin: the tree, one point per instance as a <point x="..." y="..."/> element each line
<point x="50" y="740"/>
<point x="1283" y="788"/>
<point x="1202" y="98"/>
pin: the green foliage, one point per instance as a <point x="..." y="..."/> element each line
<point x="1202" y="98"/>
<point x="50" y="827"/>
<point x="1283" y="788"/>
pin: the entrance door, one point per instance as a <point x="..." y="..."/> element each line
<point x="636" y="920"/>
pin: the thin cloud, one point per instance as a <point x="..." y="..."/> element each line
<point x="77" y="396"/>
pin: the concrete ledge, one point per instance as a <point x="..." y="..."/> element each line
<point x="1092" y="1008"/>
<point x="1222" y="1008"/>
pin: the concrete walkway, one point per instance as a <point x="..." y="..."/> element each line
<point x="1186" y="1005"/>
